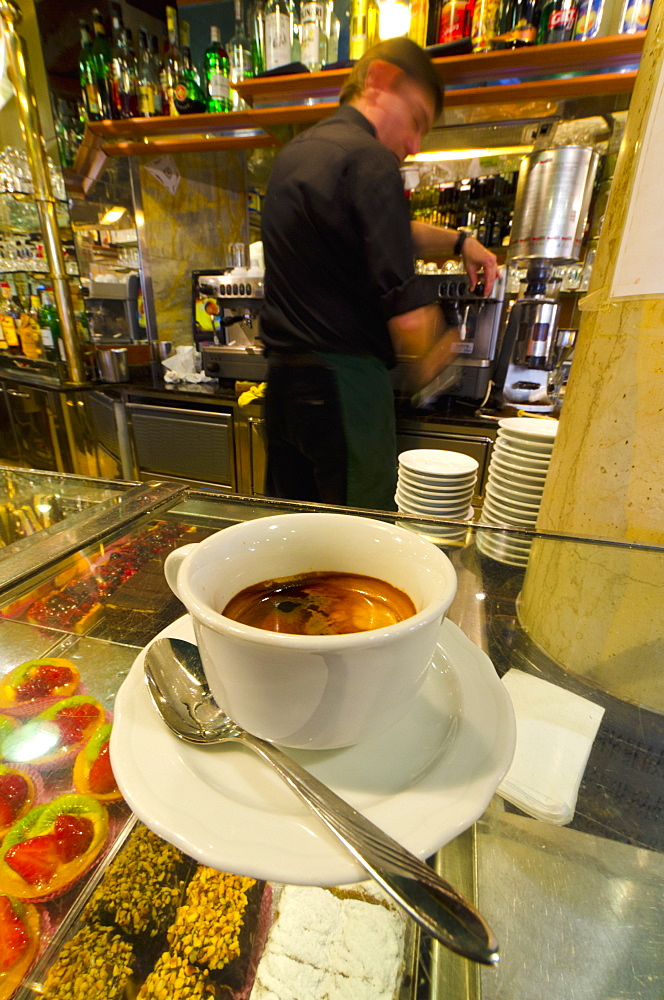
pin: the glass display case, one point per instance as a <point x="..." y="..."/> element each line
<point x="576" y="900"/>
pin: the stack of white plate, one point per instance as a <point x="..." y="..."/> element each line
<point x="517" y="471"/>
<point x="437" y="483"/>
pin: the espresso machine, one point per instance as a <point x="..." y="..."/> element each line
<point x="226" y="325"/>
<point x="476" y="318"/>
<point x="552" y="201"/>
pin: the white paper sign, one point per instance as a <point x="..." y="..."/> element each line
<point x="166" y="172"/>
<point x="639" y="269"/>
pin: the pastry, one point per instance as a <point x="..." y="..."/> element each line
<point x="43" y="853"/>
<point x="96" y="964"/>
<point x="32" y="685"/>
<point x="56" y="735"/>
<point x="19" y="942"/>
<point x="93" y="774"/>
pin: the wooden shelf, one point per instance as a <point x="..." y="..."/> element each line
<point x="601" y="66"/>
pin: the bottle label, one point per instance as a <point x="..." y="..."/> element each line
<point x="92" y="96"/>
<point x="636" y="16"/>
<point x="277" y="40"/>
<point x="46" y="335"/>
<point x="9" y="330"/>
<point x="454" y="19"/>
<point x="146" y="106"/>
<point x="219" y="86"/>
<point x="588" y="19"/>
<point x="312" y="26"/>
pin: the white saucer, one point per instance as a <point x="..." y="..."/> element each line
<point x="424" y="781"/>
<point x="530" y="427"/>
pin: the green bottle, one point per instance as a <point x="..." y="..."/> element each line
<point x="189" y="96"/>
<point x="101" y="53"/>
<point x="217" y="74"/>
<point x="49" y="328"/>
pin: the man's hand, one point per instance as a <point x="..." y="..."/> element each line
<point x="477" y="258"/>
<point x="436" y="244"/>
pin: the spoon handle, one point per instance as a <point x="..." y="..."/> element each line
<point x="429" y="899"/>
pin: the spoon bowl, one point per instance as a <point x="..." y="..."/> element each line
<point x="179" y="690"/>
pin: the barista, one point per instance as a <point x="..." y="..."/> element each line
<point x="341" y="296"/>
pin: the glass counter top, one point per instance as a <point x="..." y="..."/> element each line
<point x="578" y="907"/>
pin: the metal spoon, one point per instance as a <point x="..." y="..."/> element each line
<point x="180" y="692"/>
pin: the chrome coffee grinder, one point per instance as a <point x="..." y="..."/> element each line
<point x="552" y="201"/>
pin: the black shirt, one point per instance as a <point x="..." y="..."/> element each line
<point x="337" y="243"/>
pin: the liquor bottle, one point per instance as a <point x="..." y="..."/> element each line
<point x="313" y="39"/>
<point x="635" y="16"/>
<point x="518" y="21"/>
<point x="217" y="74"/>
<point x="258" y="37"/>
<point x="149" y="92"/>
<point x="87" y="76"/>
<point x="419" y="18"/>
<point x="364" y="27"/>
<point x="455" y="20"/>
<point x="557" y="21"/>
<point x="101" y="52"/>
<point x="173" y="67"/>
<point x="49" y="326"/>
<point x="239" y="55"/>
<point x="189" y="96"/>
<point x="155" y="59"/>
<point x="124" y="97"/>
<point x="332" y="32"/>
<point x="279" y="33"/>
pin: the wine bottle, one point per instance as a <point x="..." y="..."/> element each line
<point x="87" y="76"/>
<point x="49" y="325"/>
<point x="239" y="55"/>
<point x="217" y="73"/>
<point x="419" y="16"/>
<point x="172" y="62"/>
<point x="279" y="33"/>
<point x="101" y="53"/>
<point x="258" y="37"/>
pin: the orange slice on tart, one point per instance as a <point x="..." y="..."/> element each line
<point x="93" y="774"/>
<point x="52" y="846"/>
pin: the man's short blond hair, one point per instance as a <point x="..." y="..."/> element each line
<point x="405" y="54"/>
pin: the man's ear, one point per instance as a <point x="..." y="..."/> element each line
<point x="382" y="75"/>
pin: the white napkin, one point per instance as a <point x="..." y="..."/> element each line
<point x="555" y="730"/>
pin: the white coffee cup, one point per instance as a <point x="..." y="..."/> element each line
<point x="316" y="692"/>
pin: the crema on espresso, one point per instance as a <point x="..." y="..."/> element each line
<point x="320" y="604"/>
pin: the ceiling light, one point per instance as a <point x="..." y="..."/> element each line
<point x="468" y="154"/>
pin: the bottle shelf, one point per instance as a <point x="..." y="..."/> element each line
<point x="593" y="68"/>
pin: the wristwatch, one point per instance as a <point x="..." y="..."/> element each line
<point x="461" y="239"/>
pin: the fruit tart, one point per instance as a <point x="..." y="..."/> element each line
<point x="53" y="845"/>
<point x="30" y="687"/>
<point x="19" y="942"/>
<point x="18" y="794"/>
<point x="56" y="735"/>
<point x="7" y="726"/>
<point x="93" y="774"/>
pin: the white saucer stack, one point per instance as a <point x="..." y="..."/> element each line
<point x="517" y="471"/>
<point x="437" y="483"/>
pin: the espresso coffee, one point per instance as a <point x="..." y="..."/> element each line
<point x="320" y="604"/>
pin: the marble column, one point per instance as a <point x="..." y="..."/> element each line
<point x="597" y="609"/>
